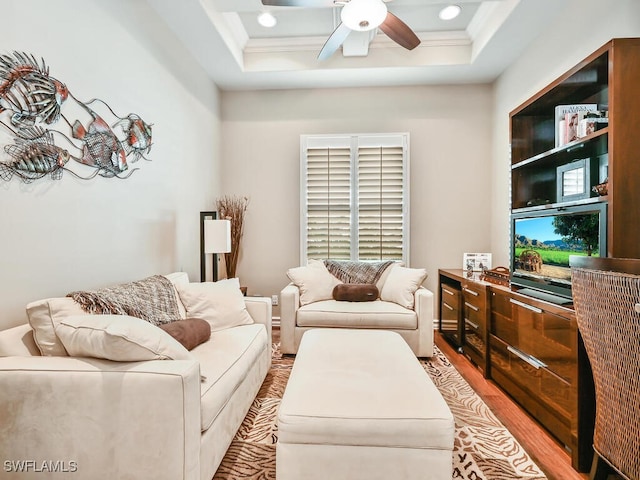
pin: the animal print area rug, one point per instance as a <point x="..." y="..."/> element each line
<point x="483" y="449"/>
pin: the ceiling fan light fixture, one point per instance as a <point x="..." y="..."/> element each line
<point x="363" y="15"/>
<point x="266" y="19"/>
<point x="450" y="12"/>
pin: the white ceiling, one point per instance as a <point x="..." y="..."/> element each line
<point x="226" y="39"/>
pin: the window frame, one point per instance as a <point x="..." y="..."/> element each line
<point x="354" y="141"/>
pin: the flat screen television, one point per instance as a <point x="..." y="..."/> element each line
<point x="543" y="240"/>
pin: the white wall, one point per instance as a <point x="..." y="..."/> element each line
<point x="450" y="135"/>
<point x="584" y="27"/>
<point x="59" y="236"/>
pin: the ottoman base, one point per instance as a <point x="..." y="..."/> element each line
<point x="359" y="406"/>
<point x="348" y="462"/>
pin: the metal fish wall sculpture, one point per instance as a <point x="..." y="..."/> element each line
<point x="31" y="98"/>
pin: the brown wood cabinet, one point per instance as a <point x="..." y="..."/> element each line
<point x="465" y="300"/>
<point x="536" y="352"/>
<point x="535" y="356"/>
<point x="609" y="79"/>
<point x="530" y="348"/>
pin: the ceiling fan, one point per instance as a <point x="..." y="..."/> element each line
<point x="358" y="15"/>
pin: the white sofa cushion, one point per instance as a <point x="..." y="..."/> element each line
<point x="220" y="303"/>
<point x="362" y="388"/>
<point x="383" y="278"/>
<point x="120" y="338"/>
<point x="44" y="315"/>
<point x="314" y="282"/>
<point x="376" y="314"/>
<point x="401" y="285"/>
<point x="225" y="361"/>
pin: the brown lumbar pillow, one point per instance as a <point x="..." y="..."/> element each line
<point x="190" y="332"/>
<point x="355" y="292"/>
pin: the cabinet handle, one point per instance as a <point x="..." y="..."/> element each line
<point x="472" y="307"/>
<point x="450" y="308"/>
<point x="448" y="291"/>
<point x="475" y="326"/>
<point x="524" y="305"/>
<point x="533" y="361"/>
<point x="471" y="291"/>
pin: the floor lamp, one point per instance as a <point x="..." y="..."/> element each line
<point x="215" y="237"/>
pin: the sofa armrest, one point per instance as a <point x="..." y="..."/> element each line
<point x="18" y="341"/>
<point x="261" y="311"/>
<point x="135" y="420"/>
<point x="289" y="304"/>
<point x="424" y="311"/>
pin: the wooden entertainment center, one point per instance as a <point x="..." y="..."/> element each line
<point x="527" y="343"/>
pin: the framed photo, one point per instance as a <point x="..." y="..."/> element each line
<point x="574" y="180"/>
<point x="476" y="262"/>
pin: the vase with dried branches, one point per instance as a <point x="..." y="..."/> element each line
<point x="233" y="208"/>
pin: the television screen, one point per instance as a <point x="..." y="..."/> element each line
<point x="543" y="242"/>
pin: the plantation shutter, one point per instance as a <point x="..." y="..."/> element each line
<point x="328" y="199"/>
<point x="354" y="197"/>
<point x="380" y="202"/>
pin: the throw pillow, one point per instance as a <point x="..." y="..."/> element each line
<point x="383" y="278"/>
<point x="355" y="292"/>
<point x="190" y="332"/>
<point x="120" y="338"/>
<point x="220" y="303"/>
<point x="44" y="315"/>
<point x="314" y="282"/>
<point x="401" y="285"/>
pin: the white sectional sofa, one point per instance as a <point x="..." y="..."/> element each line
<point x="401" y="308"/>
<point x="154" y="419"/>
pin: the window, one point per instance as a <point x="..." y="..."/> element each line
<point x="354" y="197"/>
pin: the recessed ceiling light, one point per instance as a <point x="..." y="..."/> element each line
<point x="267" y="20"/>
<point x="450" y="12"/>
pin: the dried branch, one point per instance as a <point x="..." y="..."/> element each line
<point x="233" y="208"/>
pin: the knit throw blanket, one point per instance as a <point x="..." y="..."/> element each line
<point x="356" y="272"/>
<point x="152" y="299"/>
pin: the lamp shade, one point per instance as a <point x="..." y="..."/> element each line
<point x="217" y="236"/>
<point x="363" y="15"/>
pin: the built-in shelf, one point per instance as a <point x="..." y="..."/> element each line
<point x="560" y="206"/>
<point x="583" y="144"/>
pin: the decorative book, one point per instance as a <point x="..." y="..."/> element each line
<point x="564" y="129"/>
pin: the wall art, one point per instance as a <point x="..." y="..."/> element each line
<point x="46" y="142"/>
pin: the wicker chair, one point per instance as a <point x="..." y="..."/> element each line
<point x="606" y="294"/>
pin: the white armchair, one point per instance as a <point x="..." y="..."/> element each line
<point x="414" y="325"/>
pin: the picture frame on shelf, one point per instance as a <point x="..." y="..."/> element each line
<point x="476" y="262"/>
<point x="575" y="179"/>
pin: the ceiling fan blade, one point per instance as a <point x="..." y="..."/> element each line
<point x="300" y="3"/>
<point x="334" y="41"/>
<point x="399" y="32"/>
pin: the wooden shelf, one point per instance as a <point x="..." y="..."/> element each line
<point x="582" y="144"/>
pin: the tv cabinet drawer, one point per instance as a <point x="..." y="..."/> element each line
<point x="503" y="324"/>
<point x="450" y="313"/>
<point x="527" y="378"/>
<point x="474" y="317"/>
<point x="474" y="328"/>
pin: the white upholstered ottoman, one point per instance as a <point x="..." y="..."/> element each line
<point x="359" y="406"/>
